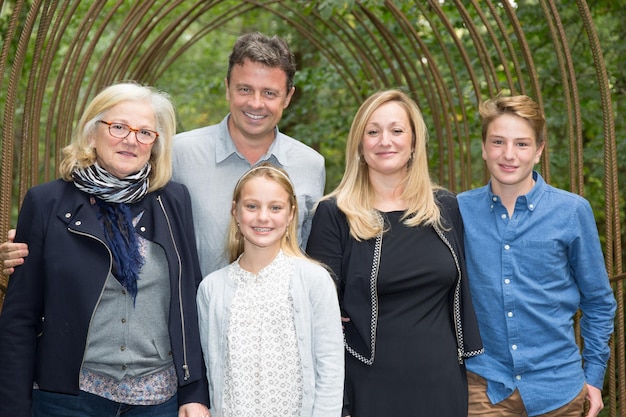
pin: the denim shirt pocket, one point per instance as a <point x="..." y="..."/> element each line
<point x="542" y="259"/>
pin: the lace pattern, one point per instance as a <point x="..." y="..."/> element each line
<point x="263" y="373"/>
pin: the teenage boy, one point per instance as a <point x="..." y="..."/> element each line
<point x="534" y="259"/>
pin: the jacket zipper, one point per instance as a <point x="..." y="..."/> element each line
<point x="101" y="291"/>
<point x="180" y="292"/>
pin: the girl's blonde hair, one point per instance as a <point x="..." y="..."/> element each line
<point x="80" y="154"/>
<point x="289" y="242"/>
<point x="355" y="195"/>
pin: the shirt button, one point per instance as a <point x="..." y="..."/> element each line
<point x="510" y="314"/>
<point x="507" y="281"/>
<point x="494" y="198"/>
<point x="503" y="216"/>
<point x="142" y="228"/>
<point x="123" y="367"/>
<point x="531" y="206"/>
<point x="68" y="215"/>
<point x="78" y="223"/>
<point x="123" y="320"/>
<point x="122" y="348"/>
<point x="518" y="377"/>
<point x="514" y="347"/>
<point x="507" y="247"/>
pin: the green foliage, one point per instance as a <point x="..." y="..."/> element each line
<point x="345" y="51"/>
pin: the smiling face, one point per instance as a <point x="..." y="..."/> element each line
<point x="511" y="152"/>
<point x="123" y="157"/>
<point x="263" y="213"/>
<point x="257" y="95"/>
<point x="388" y="140"/>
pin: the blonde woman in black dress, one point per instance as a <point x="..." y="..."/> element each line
<point x="394" y="241"/>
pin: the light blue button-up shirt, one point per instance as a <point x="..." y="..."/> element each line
<point x="207" y="162"/>
<point x="528" y="276"/>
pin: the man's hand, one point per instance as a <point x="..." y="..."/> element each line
<point x="594" y="395"/>
<point x="193" y="410"/>
<point x="12" y="254"/>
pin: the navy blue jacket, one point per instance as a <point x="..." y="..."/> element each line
<point x="52" y="296"/>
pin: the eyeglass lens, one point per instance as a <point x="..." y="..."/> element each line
<point x="121" y="130"/>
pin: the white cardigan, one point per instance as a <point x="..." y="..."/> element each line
<point x="318" y="329"/>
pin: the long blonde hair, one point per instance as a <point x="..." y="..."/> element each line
<point x="355" y="195"/>
<point x="80" y="154"/>
<point x="289" y="242"/>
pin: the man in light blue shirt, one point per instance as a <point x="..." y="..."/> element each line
<point x="534" y="258"/>
<point x="210" y="160"/>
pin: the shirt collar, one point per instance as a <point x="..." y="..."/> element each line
<point x="277" y="262"/>
<point x="529" y="200"/>
<point x="225" y="147"/>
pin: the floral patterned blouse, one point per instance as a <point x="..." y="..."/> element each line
<point x="263" y="374"/>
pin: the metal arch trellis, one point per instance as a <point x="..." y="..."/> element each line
<point x="448" y="54"/>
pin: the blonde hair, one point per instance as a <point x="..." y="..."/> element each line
<point x="289" y="242"/>
<point x="355" y="195"/>
<point x="520" y="106"/>
<point x="80" y="154"/>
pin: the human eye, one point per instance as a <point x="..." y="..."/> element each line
<point x="271" y="94"/>
<point x="371" y="132"/>
<point x="147" y="134"/>
<point x="119" y="127"/>
<point x="244" y="90"/>
<point x="523" y="144"/>
<point x="250" y="206"/>
<point x="397" y="131"/>
<point x="276" y="208"/>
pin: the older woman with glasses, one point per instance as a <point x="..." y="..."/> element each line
<point x="101" y="318"/>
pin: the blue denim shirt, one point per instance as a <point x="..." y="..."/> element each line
<point x="528" y="276"/>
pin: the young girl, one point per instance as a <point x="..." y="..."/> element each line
<point x="269" y="322"/>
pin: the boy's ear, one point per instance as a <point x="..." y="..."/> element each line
<point x="539" y="152"/>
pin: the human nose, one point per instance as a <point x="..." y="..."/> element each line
<point x="385" y="138"/>
<point x="264" y="214"/>
<point x="256" y="100"/>
<point x="509" y="151"/>
<point x="132" y="135"/>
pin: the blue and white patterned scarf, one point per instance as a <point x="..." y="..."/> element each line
<point x="113" y="195"/>
<point x="96" y="181"/>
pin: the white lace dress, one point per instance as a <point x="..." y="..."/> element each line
<point x="263" y="374"/>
